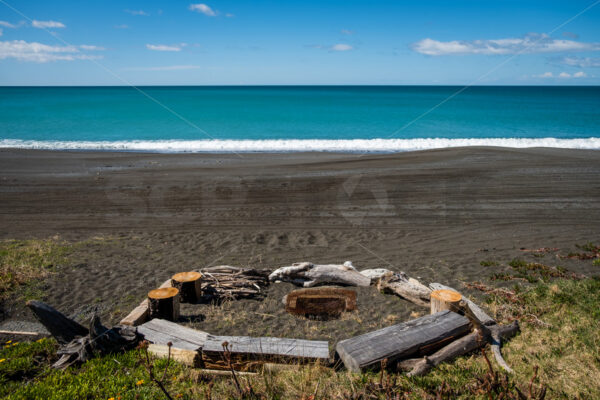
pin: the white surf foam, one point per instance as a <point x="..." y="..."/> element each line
<point x="296" y="145"/>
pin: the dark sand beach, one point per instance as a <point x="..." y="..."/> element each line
<point x="434" y="214"/>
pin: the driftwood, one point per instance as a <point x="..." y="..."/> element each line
<point x="408" y="288"/>
<point x="250" y="354"/>
<point x="79" y="344"/>
<point x="320" y="303"/>
<point x="160" y="331"/>
<point x="63" y="329"/>
<point x="226" y="282"/>
<point x="100" y="340"/>
<point x="140" y="314"/>
<point x="464" y="345"/>
<point x="419" y="336"/>
<point x="375" y="274"/>
<point x="489" y="332"/>
<point x="192" y="358"/>
<point x="307" y="274"/>
<point x="479" y="313"/>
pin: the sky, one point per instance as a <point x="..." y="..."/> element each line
<point x="310" y="42"/>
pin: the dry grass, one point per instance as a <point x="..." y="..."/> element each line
<point x="25" y="261"/>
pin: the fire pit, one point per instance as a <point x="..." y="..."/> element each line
<point x="320" y="303"/>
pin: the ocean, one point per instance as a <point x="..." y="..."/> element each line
<point x="298" y="118"/>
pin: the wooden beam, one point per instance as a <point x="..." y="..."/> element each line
<point x="248" y="353"/>
<point x="160" y="331"/>
<point x="477" y="311"/>
<point x="192" y="358"/>
<point x="416" y="337"/>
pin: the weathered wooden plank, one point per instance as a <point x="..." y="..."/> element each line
<point x="160" y="331"/>
<point x="419" y="336"/>
<point x="269" y="346"/>
<point x="192" y="358"/>
<point x="479" y="313"/>
<point x="137" y="316"/>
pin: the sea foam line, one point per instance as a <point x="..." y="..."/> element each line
<point x="297" y="145"/>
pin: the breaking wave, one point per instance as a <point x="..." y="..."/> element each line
<point x="297" y="145"/>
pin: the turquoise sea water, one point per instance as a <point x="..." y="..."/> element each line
<point x="347" y="118"/>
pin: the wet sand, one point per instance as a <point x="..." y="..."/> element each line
<point x="433" y="214"/>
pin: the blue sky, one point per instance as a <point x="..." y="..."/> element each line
<point x="226" y="42"/>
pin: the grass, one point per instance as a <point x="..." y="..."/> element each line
<point x="560" y="335"/>
<point x="23" y="262"/>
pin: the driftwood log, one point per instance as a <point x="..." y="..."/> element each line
<point x="307" y="274"/>
<point x="419" y="336"/>
<point x="464" y="345"/>
<point x="63" y="329"/>
<point x="84" y="343"/>
<point x="408" y="288"/>
<point x="164" y="303"/>
<point x="250" y="353"/>
<point x="445" y="299"/>
<point x="375" y="274"/>
<point x="481" y="315"/>
<point x="189" y="285"/>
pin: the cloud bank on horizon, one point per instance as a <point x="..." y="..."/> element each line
<point x="365" y="43"/>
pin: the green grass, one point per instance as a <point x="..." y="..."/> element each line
<point x="560" y="334"/>
<point x="488" y="263"/>
<point x="23" y="262"/>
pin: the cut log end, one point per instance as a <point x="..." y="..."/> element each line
<point x="164" y="303"/>
<point x="189" y="285"/>
<point x="444" y="299"/>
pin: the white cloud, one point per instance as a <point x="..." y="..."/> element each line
<point x="165" y="68"/>
<point x="7" y="24"/>
<point x="1" y="32"/>
<point x="341" y="47"/>
<point x="47" y="24"/>
<point x="40" y="53"/>
<point x="229" y="15"/>
<point x="346" y="32"/>
<point x="137" y="12"/>
<point x="91" y="47"/>
<point x="582" y="62"/>
<point x="562" y="75"/>
<point x="163" y="47"/>
<point x="123" y="26"/>
<point x="204" y="9"/>
<point x="532" y="43"/>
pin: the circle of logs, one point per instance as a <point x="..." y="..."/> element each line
<point x="164" y="303"/>
<point x="189" y="285"/>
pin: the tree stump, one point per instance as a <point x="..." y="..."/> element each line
<point x="164" y="303"/>
<point x="444" y="299"/>
<point x="188" y="284"/>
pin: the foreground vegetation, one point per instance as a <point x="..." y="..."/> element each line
<point x="560" y="336"/>
<point x="23" y="262"/>
<point x="557" y="351"/>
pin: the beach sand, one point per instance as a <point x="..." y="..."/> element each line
<point x="433" y="214"/>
